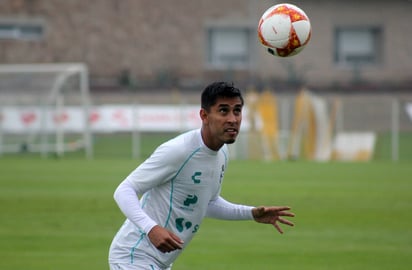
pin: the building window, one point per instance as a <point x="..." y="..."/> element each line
<point x="229" y="47"/>
<point x="21" y="30"/>
<point x="358" y="46"/>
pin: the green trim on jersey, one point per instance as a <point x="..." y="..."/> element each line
<point x="172" y="182"/>
<point x="142" y="235"/>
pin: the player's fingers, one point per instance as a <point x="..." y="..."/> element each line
<point x="169" y="247"/>
<point x="286" y="222"/>
<point x="165" y="248"/>
<point x="175" y="241"/>
<point x="278" y="228"/>
<point x="176" y="238"/>
<point x="282" y="208"/>
<point x="286" y="214"/>
<point x="172" y="245"/>
<point x="176" y="244"/>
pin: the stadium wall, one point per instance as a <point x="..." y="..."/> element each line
<point x="133" y="42"/>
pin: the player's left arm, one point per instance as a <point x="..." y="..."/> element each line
<point x="219" y="208"/>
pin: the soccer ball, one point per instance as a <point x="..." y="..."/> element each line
<point x="284" y="29"/>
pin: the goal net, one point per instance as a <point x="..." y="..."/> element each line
<point x="34" y="100"/>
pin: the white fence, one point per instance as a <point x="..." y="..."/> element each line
<point x="111" y="118"/>
<point x="104" y="118"/>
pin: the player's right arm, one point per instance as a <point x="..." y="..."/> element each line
<point x="126" y="198"/>
<point x="156" y="170"/>
<point x="128" y="202"/>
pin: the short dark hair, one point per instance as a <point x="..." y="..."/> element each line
<point x="218" y="89"/>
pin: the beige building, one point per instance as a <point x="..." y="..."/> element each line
<point x="142" y="43"/>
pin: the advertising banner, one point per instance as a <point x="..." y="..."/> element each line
<point x="105" y="118"/>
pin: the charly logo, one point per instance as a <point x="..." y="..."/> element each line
<point x="196" y="177"/>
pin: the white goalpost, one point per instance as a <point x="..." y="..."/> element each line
<point x="34" y="99"/>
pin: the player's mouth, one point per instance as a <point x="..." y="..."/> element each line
<point x="231" y="131"/>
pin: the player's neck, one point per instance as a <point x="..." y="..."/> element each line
<point x="208" y="140"/>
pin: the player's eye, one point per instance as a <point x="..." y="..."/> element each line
<point x="237" y="111"/>
<point x="223" y="110"/>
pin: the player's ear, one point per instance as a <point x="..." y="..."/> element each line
<point x="203" y="114"/>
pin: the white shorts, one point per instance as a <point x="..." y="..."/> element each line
<point x="142" y="266"/>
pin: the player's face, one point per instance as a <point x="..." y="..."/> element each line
<point x="222" y="123"/>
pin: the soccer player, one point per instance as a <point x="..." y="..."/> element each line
<point x="166" y="198"/>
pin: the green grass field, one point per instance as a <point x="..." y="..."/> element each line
<point x="59" y="214"/>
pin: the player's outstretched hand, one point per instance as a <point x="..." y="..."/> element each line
<point x="164" y="240"/>
<point x="273" y="215"/>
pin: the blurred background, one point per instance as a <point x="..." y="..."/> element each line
<point x="74" y="72"/>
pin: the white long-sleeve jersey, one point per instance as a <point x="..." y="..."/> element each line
<point x="178" y="185"/>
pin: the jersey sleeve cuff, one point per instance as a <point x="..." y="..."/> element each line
<point x="148" y="225"/>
